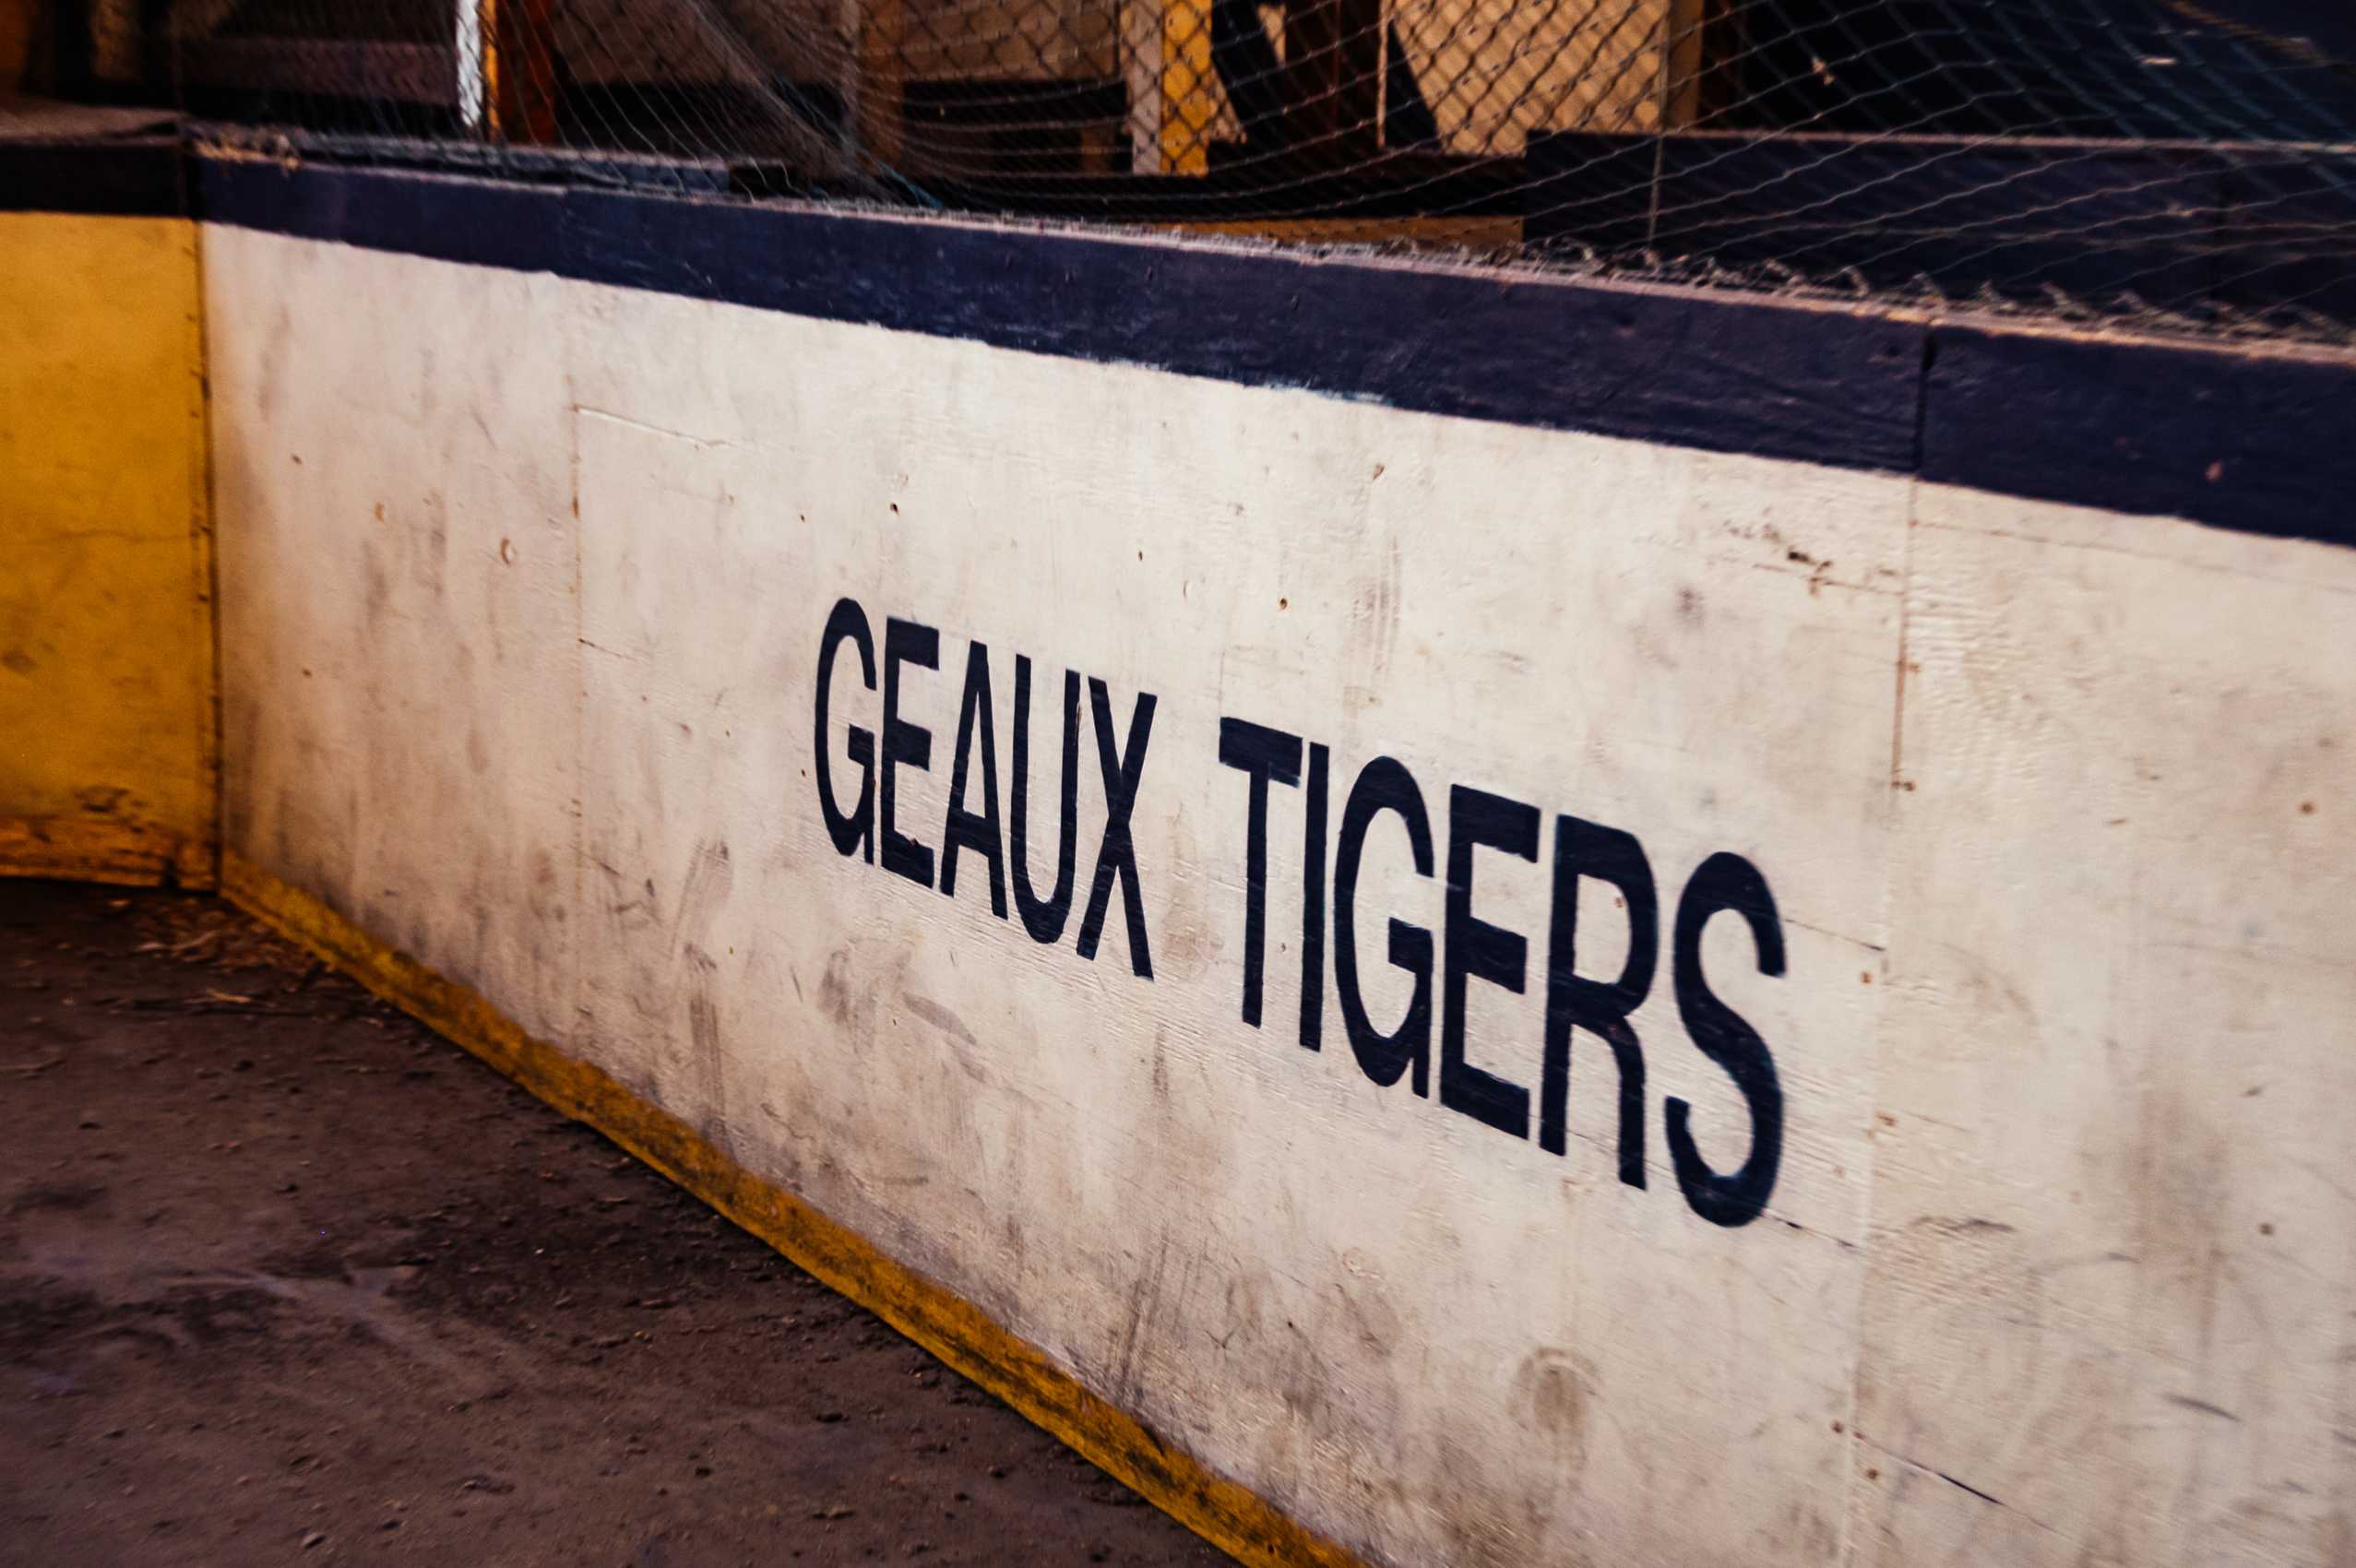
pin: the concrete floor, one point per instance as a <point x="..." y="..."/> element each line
<point x="285" y="1278"/>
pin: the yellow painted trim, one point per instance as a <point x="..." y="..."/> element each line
<point x="96" y="849"/>
<point x="1229" y="1517"/>
<point x="486" y="21"/>
<point x="205" y="574"/>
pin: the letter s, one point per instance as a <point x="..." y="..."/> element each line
<point x="1728" y="882"/>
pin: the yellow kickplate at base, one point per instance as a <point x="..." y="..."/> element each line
<point x="94" y="848"/>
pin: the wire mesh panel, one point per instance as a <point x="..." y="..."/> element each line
<point x="2186" y="163"/>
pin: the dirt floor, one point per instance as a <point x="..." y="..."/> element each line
<point x="284" y="1277"/>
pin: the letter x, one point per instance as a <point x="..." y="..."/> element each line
<point x="1115" y="852"/>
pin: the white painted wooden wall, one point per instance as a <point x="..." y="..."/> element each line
<point x="522" y="589"/>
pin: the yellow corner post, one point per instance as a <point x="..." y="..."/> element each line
<point x="107" y="767"/>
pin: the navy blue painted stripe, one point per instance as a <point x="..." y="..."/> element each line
<point x="2260" y="442"/>
<point x="135" y="177"/>
<point x="446" y="217"/>
<point x="1690" y="371"/>
<point x="2263" y="442"/>
<point x="1718" y="373"/>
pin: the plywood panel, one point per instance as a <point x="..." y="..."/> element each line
<point x="106" y="719"/>
<point x="400" y="678"/>
<point x="2039" y="932"/>
<point x="2112" y="1257"/>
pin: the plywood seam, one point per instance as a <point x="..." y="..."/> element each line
<point x="1853" y="1496"/>
<point x="205" y="567"/>
<point x="575" y="980"/>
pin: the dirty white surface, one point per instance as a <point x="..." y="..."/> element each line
<point x="520" y="670"/>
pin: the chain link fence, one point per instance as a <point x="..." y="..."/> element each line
<point x="2178" y="165"/>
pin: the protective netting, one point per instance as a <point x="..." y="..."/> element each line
<point x="2182" y="163"/>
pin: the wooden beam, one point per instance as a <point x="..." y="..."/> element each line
<point x="475" y="79"/>
<point x="22" y="23"/>
<point x="1701" y="66"/>
<point x="883" y="81"/>
<point x="523" y="47"/>
<point x="1333" y="80"/>
<point x="1141" y="70"/>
